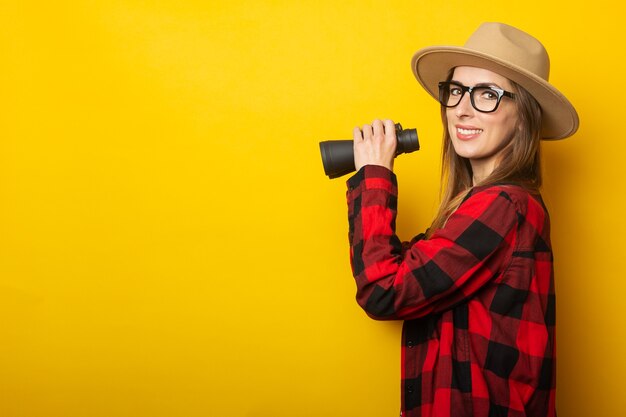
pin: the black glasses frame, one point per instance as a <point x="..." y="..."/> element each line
<point x="499" y="92"/>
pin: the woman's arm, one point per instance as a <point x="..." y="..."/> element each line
<point x="434" y="274"/>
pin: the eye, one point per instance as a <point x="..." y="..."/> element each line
<point x="455" y="91"/>
<point x="489" y="94"/>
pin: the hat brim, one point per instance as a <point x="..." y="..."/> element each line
<point x="431" y="65"/>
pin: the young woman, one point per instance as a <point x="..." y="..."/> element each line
<point x="476" y="290"/>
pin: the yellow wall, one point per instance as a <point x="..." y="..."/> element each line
<point x="169" y="245"/>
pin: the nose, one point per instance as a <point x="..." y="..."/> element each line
<point x="464" y="108"/>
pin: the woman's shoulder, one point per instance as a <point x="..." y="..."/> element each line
<point x="522" y="199"/>
<point x="510" y="189"/>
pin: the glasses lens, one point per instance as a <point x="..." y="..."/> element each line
<point x="485" y="98"/>
<point x="450" y="94"/>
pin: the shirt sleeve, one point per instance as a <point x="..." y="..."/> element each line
<point x="409" y="280"/>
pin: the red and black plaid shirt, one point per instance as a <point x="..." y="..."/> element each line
<point x="477" y="298"/>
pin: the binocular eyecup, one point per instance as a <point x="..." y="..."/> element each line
<point x="338" y="155"/>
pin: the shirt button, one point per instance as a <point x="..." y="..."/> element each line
<point x="410" y="343"/>
<point x="409" y="389"/>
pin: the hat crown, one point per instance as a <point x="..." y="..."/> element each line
<point x="507" y="43"/>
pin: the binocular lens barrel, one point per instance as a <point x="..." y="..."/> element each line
<point x="338" y="155"/>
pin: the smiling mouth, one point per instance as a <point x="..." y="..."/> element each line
<point x="468" y="131"/>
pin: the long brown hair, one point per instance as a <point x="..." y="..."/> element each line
<point x="519" y="161"/>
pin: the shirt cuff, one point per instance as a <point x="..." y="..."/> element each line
<point x="372" y="177"/>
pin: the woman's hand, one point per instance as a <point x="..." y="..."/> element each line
<point x="375" y="144"/>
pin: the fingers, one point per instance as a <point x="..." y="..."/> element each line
<point x="368" y="132"/>
<point x="379" y="129"/>
<point x="390" y="128"/>
<point x="375" y="144"/>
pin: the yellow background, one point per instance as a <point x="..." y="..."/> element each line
<point x="169" y="245"/>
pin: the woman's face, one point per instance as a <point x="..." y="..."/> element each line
<point x="478" y="136"/>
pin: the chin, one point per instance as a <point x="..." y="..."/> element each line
<point x="467" y="151"/>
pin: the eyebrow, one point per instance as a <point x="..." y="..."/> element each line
<point x="479" y="84"/>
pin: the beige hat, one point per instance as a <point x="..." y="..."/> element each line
<point x="511" y="53"/>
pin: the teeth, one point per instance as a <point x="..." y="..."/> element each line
<point x="469" y="131"/>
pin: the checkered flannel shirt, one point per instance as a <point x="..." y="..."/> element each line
<point x="477" y="298"/>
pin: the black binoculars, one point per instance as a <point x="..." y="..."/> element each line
<point x="338" y="155"/>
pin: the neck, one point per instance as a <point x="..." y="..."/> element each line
<point x="481" y="169"/>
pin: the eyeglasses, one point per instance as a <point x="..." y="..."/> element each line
<point x="485" y="99"/>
